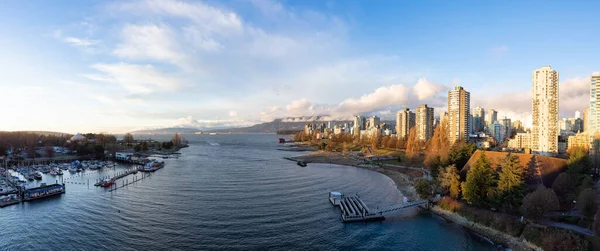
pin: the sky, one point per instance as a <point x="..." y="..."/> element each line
<point x="116" y="66"/>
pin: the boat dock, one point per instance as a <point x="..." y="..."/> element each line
<point x="354" y="209"/>
<point x="117" y="176"/>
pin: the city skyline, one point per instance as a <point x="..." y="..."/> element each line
<point x="86" y="67"/>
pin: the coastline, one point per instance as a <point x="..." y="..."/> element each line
<point x="404" y="183"/>
<point x="497" y="237"/>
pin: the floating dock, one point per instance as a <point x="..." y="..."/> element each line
<point x="354" y="209"/>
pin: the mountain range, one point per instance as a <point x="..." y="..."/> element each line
<point x="289" y="124"/>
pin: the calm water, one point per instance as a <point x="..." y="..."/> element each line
<point x="225" y="192"/>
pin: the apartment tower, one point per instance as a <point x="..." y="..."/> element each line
<point x="424" y="122"/>
<point x="459" y="108"/>
<point x="544" y="133"/>
<point x="405" y="120"/>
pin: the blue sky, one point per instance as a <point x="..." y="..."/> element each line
<point x="114" y="66"/>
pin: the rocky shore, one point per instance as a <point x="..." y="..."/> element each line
<point x="494" y="235"/>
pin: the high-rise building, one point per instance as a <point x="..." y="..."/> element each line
<point x="478" y="119"/>
<point x="506" y="123"/>
<point x="359" y="125"/>
<point x="545" y="130"/>
<point x="405" y="120"/>
<point x="576" y="125"/>
<point x="586" y="119"/>
<point x="564" y="124"/>
<point x="518" y="126"/>
<point x="424" y="122"/>
<point x="492" y="116"/>
<point x="374" y="121"/>
<point x="498" y="131"/>
<point x="459" y="108"/>
<point x="594" y="112"/>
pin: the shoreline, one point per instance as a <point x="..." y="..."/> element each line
<point x="404" y="183"/>
<point x="495" y="236"/>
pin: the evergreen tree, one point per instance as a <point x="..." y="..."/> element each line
<point x="511" y="183"/>
<point x="480" y="180"/>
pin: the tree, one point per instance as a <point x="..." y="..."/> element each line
<point x="438" y="143"/>
<point x="539" y="202"/>
<point x="424" y="188"/>
<point x="480" y="180"/>
<point x="144" y="146"/>
<point x="137" y="148"/>
<point x="586" y="202"/>
<point x="460" y="153"/>
<point x="400" y="143"/>
<point x="449" y="180"/>
<point x="128" y="138"/>
<point x="578" y="164"/>
<point x="392" y="142"/>
<point x="176" y="139"/>
<point x="511" y="183"/>
<point x="385" y="140"/>
<point x="49" y="150"/>
<point x="564" y="188"/>
<point x="413" y="145"/>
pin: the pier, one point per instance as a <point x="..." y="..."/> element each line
<point x="354" y="209"/>
<point x="127" y="183"/>
<point x="117" y="176"/>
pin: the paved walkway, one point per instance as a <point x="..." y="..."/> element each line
<point x="575" y="228"/>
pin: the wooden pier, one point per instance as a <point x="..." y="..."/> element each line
<point x="354" y="209"/>
<point x="127" y="183"/>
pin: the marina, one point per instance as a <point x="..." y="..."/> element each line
<point x="19" y="184"/>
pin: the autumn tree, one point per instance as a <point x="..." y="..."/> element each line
<point x="176" y="139"/>
<point x="392" y="142"/>
<point x="539" y="202"/>
<point x="511" y="183"/>
<point x="400" y="143"/>
<point x="480" y="181"/>
<point x="449" y="181"/>
<point x="385" y="140"/>
<point x="586" y="202"/>
<point x="413" y="145"/>
<point x="564" y="188"/>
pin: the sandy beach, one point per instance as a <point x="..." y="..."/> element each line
<point x="404" y="178"/>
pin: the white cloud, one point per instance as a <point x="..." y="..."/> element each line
<point x="142" y="79"/>
<point x="148" y="42"/>
<point x="233" y="114"/>
<point x="379" y="101"/>
<point x="425" y="89"/>
<point x="79" y="41"/>
<point x="192" y="122"/>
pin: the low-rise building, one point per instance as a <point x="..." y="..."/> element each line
<point x="579" y="140"/>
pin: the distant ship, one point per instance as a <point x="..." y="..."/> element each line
<point x="198" y="133"/>
<point x="212" y="133"/>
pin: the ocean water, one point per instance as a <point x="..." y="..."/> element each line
<point x="225" y="192"/>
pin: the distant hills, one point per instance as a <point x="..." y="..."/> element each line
<point x="290" y="124"/>
<point x="283" y="124"/>
<point x="43" y="132"/>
